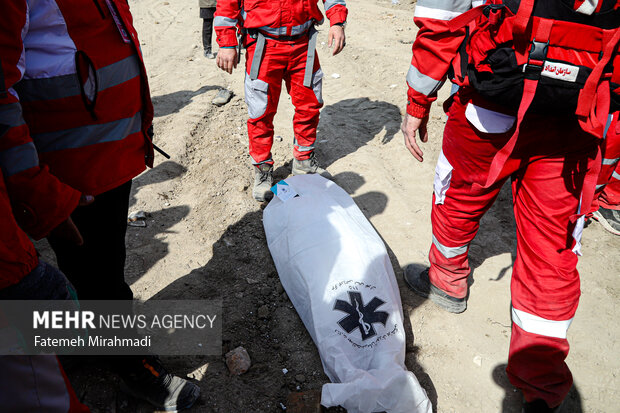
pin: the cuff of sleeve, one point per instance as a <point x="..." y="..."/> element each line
<point x="337" y="16"/>
<point x="227" y="39"/>
<point x="418" y="111"/>
<point x="41" y="202"/>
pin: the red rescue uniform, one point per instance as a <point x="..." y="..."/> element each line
<point x="74" y="103"/>
<point x="280" y="40"/>
<point x="547" y="166"/>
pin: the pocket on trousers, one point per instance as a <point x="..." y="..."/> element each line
<point x="443" y="176"/>
<point x="256" y="97"/>
<point x="488" y="121"/>
<point x="317" y="85"/>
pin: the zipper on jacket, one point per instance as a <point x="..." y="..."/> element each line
<point x="99" y="8"/>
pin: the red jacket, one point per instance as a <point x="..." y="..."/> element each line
<point x="274" y="17"/>
<point x="435" y="48"/>
<point x="75" y="99"/>
<point x="17" y="254"/>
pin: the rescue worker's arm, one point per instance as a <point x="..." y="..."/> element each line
<point x="227" y="17"/>
<point x="40" y="201"/>
<point x="336" y="11"/>
<point x="336" y="38"/>
<point x="410" y="125"/>
<point x="433" y="51"/>
<point x="227" y="59"/>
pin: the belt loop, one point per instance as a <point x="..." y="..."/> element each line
<point x="258" y="56"/>
<point x="313" y="34"/>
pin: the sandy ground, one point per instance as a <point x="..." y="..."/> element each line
<point x="205" y="238"/>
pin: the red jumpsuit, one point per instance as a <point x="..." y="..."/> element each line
<point x="288" y="29"/>
<point x="547" y="168"/>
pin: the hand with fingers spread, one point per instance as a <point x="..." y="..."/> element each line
<point x="227" y="59"/>
<point x="409" y="127"/>
<point x="336" y="38"/>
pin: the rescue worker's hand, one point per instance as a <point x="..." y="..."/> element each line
<point x="67" y="231"/>
<point x="227" y="59"/>
<point x="336" y="38"/>
<point x="409" y="127"/>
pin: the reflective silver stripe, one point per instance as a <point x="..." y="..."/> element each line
<point x="422" y="83"/>
<point x="260" y="46"/>
<point x="59" y="87"/>
<point x="578" y="232"/>
<point x="256" y="97"/>
<point x="610" y="161"/>
<point x="331" y="3"/>
<point x="443" y="178"/>
<point x="317" y="85"/>
<point x="119" y="72"/>
<point x="608" y="124"/>
<point x="302" y="148"/>
<point x="49" y="88"/>
<point x="257" y="57"/>
<point x="261" y="162"/>
<point x="541" y="326"/>
<point x="18" y="158"/>
<point x="615" y="175"/>
<point x="459" y="6"/>
<point x="588" y="7"/>
<point x="437" y="14"/>
<point x="282" y="31"/>
<point x="600" y="186"/>
<point x="11" y="115"/>
<point x="88" y="135"/>
<point x="310" y="57"/>
<point x="224" y="21"/>
<point x="449" y="252"/>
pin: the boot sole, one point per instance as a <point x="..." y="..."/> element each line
<point x="447" y="304"/>
<point x="437" y="296"/>
<point x="324" y="174"/>
<point x="601" y="220"/>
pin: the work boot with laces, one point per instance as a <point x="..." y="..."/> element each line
<point x="152" y="383"/>
<point x="309" y="166"/>
<point x="263" y="181"/>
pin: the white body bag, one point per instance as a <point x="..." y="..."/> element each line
<point x="336" y="271"/>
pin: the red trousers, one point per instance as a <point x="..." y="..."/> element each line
<point x="282" y="60"/>
<point x="608" y="185"/>
<point x="547" y="168"/>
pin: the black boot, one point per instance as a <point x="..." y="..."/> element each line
<point x="152" y="383"/>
